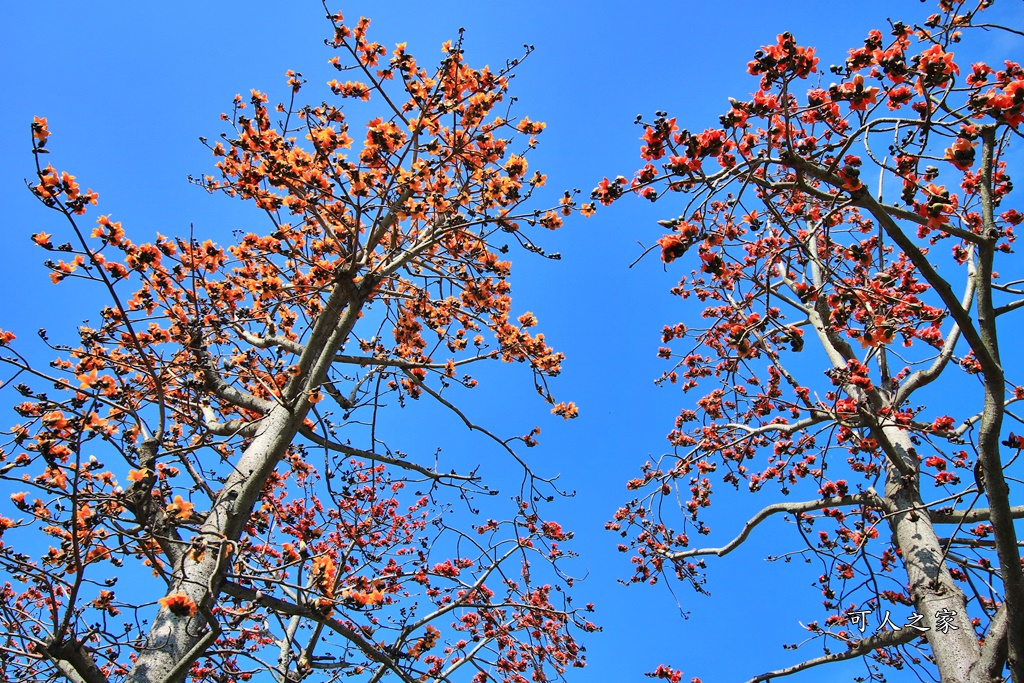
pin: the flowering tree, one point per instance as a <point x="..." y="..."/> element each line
<point x="214" y="436"/>
<point x="839" y="316"/>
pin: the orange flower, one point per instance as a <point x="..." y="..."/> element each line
<point x="137" y="475"/>
<point x="323" y="605"/>
<point x="364" y="599"/>
<point x="427" y="642"/>
<point x="566" y="410"/>
<point x="85" y="512"/>
<point x="88" y="379"/>
<point x="197" y="552"/>
<point x="180" y="605"/>
<point x="324" y="573"/>
<point x="55" y="476"/>
<point x="99" y="424"/>
<point x="180" y="508"/>
<point x="55" y="420"/>
<point x="530" y="127"/>
<point x="39" y="129"/>
<point x="858" y="95"/>
<point x="528" y="319"/>
<point x="104" y="601"/>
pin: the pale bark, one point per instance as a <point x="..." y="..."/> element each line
<point x="175" y="642"/>
<point x="929" y="582"/>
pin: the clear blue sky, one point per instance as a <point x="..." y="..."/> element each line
<point x="129" y="87"/>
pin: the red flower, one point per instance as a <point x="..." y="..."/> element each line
<point x="672" y="247"/>
<point x="937" y="65"/>
<point x="180" y="605"/>
<point x="961" y="153"/>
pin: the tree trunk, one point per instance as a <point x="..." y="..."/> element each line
<point x="929" y="582"/>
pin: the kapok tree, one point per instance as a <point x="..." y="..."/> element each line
<point x="214" y="438"/>
<point x="839" y="319"/>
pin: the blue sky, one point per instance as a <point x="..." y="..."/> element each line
<point x="129" y="87"/>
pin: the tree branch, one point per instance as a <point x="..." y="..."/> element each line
<point x="75" y="662"/>
<point x="864" y="200"/>
<point x="941" y="287"/>
<point x="268" y="342"/>
<point x="244" y="428"/>
<point x="889" y="210"/>
<point x="989" y="666"/>
<point x="869" y="497"/>
<point x="988" y="445"/>
<point x="817" y="417"/>
<point x="472" y="426"/>
<point x="378" y="457"/>
<point x="1012" y="306"/>
<point x="857" y="649"/>
<point x="215" y="383"/>
<point x="950" y="516"/>
<point x="920" y="378"/>
<point x="371" y="650"/>
<point x="398" y="363"/>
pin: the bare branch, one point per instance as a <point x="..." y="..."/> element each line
<point x="405" y="364"/>
<point x="386" y="459"/>
<point x="1012" y="306"/>
<point x="469" y="423"/>
<point x="858" y="648"/>
<point x="950" y="516"/>
<point x="269" y="341"/>
<point x="938" y="283"/>
<point x="977" y="417"/>
<point x="817" y="417"/>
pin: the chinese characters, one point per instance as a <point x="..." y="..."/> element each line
<point x="944" y="621"/>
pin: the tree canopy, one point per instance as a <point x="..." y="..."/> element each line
<point x="244" y="466"/>
<point x="215" y="434"/>
<point x="850" y="245"/>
